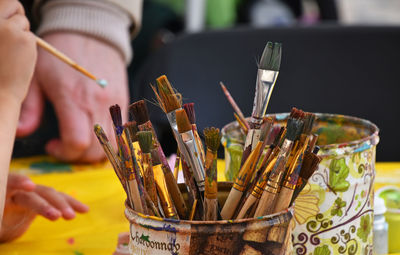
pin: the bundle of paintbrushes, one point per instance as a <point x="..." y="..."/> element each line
<point x="277" y="161"/>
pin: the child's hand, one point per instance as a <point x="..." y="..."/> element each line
<point x="25" y="200"/>
<point x="17" y="51"/>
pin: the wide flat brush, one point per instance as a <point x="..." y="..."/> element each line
<point x="193" y="152"/>
<point x="266" y="77"/>
<point x="138" y="110"/>
<point x="49" y="48"/>
<point x="213" y="140"/>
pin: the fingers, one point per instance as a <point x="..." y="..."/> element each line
<point x="75" y="204"/>
<point x="31" y="110"/>
<point x="49" y="203"/>
<point x="8" y="8"/>
<point x="57" y="200"/>
<point x="35" y="203"/>
<point x="20" y="21"/>
<point x="75" y="131"/>
<point x="19" y="182"/>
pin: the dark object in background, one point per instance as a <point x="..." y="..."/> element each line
<point x="346" y="70"/>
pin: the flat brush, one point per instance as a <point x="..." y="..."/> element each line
<point x="193" y="157"/>
<point x="189" y="109"/>
<point x="234" y="106"/>
<point x="145" y="142"/>
<point x="266" y="77"/>
<point x="213" y="140"/>
<point x="44" y="45"/>
<point x="242" y="180"/>
<point x="138" y="110"/>
<point x="267" y="200"/>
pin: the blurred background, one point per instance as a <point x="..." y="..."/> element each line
<point x="339" y="56"/>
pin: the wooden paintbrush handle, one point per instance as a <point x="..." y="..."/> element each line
<point x="283" y="199"/>
<point x="134" y="192"/>
<point x="266" y="204"/>
<point x="230" y="204"/>
<point x="176" y="195"/>
<point x="251" y="200"/>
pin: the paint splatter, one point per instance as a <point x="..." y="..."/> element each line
<point x="78" y="253"/>
<point x="71" y="241"/>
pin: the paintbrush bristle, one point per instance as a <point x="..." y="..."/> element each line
<point x="293" y="129"/>
<point x="310" y="165"/>
<point x="189" y="109"/>
<point x="138" y="111"/>
<point x="167" y="94"/>
<point x="132" y="128"/>
<point x="182" y="121"/>
<point x="316" y="150"/>
<point x="116" y="116"/>
<point x="271" y="57"/>
<point x="145" y="140"/>
<point x="212" y="138"/>
<point x="296" y="113"/>
<point x="308" y="122"/>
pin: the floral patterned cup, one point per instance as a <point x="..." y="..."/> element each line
<point x="334" y="212"/>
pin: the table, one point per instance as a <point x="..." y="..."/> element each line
<point x="96" y="232"/>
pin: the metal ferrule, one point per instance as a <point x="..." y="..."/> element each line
<point x="171" y="116"/>
<point x="165" y="199"/>
<point x="211" y="189"/>
<point x="259" y="188"/>
<point x="195" y="159"/>
<point x="265" y="84"/>
<point x="293" y="172"/>
<point x="253" y="136"/>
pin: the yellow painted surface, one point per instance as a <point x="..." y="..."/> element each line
<point x="95" y="233"/>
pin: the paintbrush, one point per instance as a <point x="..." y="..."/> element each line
<point x="145" y="142"/>
<point x="241" y="124"/>
<point x="213" y="140"/>
<point x="189" y="109"/>
<point x="234" y="106"/>
<point x="165" y="199"/>
<point x="177" y="164"/>
<point x="267" y="200"/>
<point x="112" y="157"/>
<point x="130" y="130"/>
<point x="310" y="165"/>
<point x="131" y="126"/>
<point x="292" y="176"/>
<point x="44" y="45"/>
<point x="256" y="193"/>
<point x="266" y="77"/>
<point x="242" y="180"/>
<point x="126" y="164"/>
<point x="138" y="111"/>
<point x="187" y="136"/>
